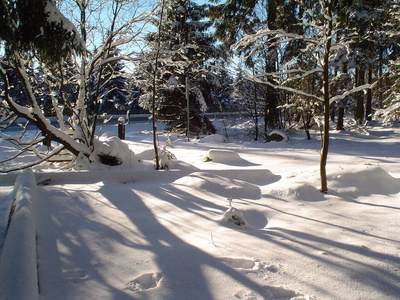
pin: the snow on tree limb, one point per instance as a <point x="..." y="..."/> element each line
<point x="54" y="16"/>
<point x="54" y="152"/>
<point x="352" y="91"/>
<point x="281" y="87"/>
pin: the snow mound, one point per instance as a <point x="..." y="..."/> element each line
<point x="255" y="219"/>
<point x="298" y="191"/>
<point x="225" y="157"/>
<point x="249" y="219"/>
<point x="214" y="138"/>
<point x="147" y="154"/>
<point x="304" y="192"/>
<point x="110" y="152"/>
<point x="217" y="155"/>
<point x="235" y="216"/>
<point x="258" y="177"/>
<point x="219" y="185"/>
<point x="364" y="181"/>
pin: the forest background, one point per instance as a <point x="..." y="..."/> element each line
<point x="285" y="64"/>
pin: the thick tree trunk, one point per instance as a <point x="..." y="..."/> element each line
<point x="340" y="118"/>
<point x="271" y="112"/>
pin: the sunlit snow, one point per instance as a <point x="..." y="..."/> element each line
<point x="249" y="223"/>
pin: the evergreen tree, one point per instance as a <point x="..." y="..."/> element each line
<point x="184" y="49"/>
<point x="372" y="47"/>
<point x="37" y="26"/>
<point x="234" y="19"/>
<point x="112" y="92"/>
<point x="389" y="111"/>
<point x="248" y="97"/>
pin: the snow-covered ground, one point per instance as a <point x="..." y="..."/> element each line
<point x="248" y="222"/>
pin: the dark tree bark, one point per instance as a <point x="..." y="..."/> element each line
<point x="325" y="139"/>
<point x="359" y="96"/>
<point x="368" y="104"/>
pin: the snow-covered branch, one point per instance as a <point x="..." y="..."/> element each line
<point x="352" y="91"/>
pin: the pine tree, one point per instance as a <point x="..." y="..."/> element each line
<point x="113" y="91"/>
<point x="371" y="47"/>
<point x="37" y="26"/>
<point x="185" y="47"/>
<point x="389" y="83"/>
<point x="234" y="19"/>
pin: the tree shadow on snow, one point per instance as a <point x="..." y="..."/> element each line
<point x="76" y="234"/>
<point x="355" y="262"/>
<point x="350" y="259"/>
<point x="182" y="266"/>
<point x="67" y="266"/>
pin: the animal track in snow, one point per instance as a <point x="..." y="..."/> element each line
<point x="144" y="282"/>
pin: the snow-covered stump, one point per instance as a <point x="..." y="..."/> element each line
<point x="18" y="265"/>
<point x="277" y="136"/>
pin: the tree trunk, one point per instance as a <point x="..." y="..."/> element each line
<point x="380" y="79"/>
<point x="255" y="112"/>
<point x="271" y="112"/>
<point x="368" y="104"/>
<point x="154" y="87"/>
<point x="325" y="139"/>
<point x="187" y="108"/>
<point x="359" y="96"/>
<point x="332" y="112"/>
<point x="340" y="118"/>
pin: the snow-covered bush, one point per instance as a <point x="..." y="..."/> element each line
<point x="110" y="152"/>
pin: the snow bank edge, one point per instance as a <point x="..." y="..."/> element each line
<point x="18" y="264"/>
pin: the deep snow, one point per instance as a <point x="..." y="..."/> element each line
<point x="248" y="224"/>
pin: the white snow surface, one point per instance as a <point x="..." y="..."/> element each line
<point x="137" y="233"/>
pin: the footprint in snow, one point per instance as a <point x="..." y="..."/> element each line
<point x="144" y="282"/>
<point x="241" y="263"/>
<point x="271" y="293"/>
<point x="249" y="265"/>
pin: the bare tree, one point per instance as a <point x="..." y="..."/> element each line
<point x="319" y="40"/>
<point x="88" y="54"/>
